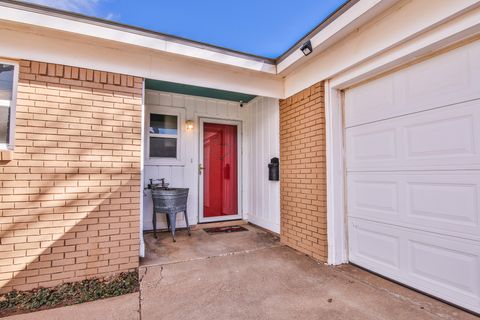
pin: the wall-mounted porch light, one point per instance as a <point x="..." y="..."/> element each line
<point x="306" y="48"/>
<point x="189" y="125"/>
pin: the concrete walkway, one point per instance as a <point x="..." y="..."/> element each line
<point x="252" y="276"/>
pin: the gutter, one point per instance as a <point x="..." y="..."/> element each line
<point x="349" y="16"/>
<point x="42" y="16"/>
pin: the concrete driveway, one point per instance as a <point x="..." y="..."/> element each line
<point x="250" y="275"/>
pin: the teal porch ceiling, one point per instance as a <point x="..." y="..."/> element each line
<point x="173" y="87"/>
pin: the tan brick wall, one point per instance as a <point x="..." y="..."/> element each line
<point x="70" y="197"/>
<point x="302" y="176"/>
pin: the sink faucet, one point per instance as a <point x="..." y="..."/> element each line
<point x="163" y="182"/>
<point x="161" y="185"/>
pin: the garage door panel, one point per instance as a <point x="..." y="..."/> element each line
<point x="376" y="145"/>
<point x="446" y="79"/>
<point x="441" y="201"/>
<point x="439" y="81"/>
<point x="371" y="98"/>
<point x="442" y="138"/>
<point x="379" y="196"/>
<point x="452" y="203"/>
<point x="374" y="245"/>
<point x="436" y="264"/>
<point x="440" y="265"/>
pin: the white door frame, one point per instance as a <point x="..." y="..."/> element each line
<point x="415" y="50"/>
<point x="201" y="218"/>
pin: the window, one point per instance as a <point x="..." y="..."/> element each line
<point x="8" y="79"/>
<point x="164" y="136"/>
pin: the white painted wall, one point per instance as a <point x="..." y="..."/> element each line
<point x="265" y="144"/>
<point x="185" y="174"/>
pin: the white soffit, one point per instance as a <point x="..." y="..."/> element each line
<point x="82" y="26"/>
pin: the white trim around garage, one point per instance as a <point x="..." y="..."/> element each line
<point x="336" y="222"/>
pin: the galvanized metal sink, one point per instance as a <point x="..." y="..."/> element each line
<point x="169" y="201"/>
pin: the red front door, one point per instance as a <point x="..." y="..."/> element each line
<point x="220" y="181"/>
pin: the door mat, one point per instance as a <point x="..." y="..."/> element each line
<point x="228" y="229"/>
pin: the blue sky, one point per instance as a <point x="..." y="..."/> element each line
<point x="266" y="28"/>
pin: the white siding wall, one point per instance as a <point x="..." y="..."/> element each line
<point x="265" y="203"/>
<point x="265" y="144"/>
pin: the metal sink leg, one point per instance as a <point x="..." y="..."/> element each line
<point x="173" y="220"/>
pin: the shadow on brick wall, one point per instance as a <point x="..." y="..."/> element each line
<point x="70" y="197"/>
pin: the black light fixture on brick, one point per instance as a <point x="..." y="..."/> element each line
<point x="306" y="48"/>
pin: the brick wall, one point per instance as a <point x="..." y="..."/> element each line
<point x="69" y="204"/>
<point x="303" y="177"/>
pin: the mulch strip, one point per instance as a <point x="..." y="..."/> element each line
<point x="16" y="302"/>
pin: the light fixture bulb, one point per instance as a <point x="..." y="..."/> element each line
<point x="189" y="125"/>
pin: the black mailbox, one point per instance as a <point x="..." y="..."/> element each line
<point x="273" y="170"/>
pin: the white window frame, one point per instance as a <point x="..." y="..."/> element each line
<point x="12" y="104"/>
<point x="171" y="111"/>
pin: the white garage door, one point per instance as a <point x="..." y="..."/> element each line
<point x="413" y="175"/>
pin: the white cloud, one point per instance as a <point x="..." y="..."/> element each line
<point x="89" y="7"/>
<point x="112" y="16"/>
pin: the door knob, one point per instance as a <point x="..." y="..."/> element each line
<point x="200" y="168"/>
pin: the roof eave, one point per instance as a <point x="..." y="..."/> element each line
<point x="51" y="18"/>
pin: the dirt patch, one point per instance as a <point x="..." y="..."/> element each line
<point x="16" y="302"/>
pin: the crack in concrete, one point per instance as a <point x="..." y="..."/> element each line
<point x="213" y="256"/>
<point x="156" y="282"/>
<point x="142" y="272"/>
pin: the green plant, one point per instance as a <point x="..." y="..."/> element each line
<point x="68" y="293"/>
